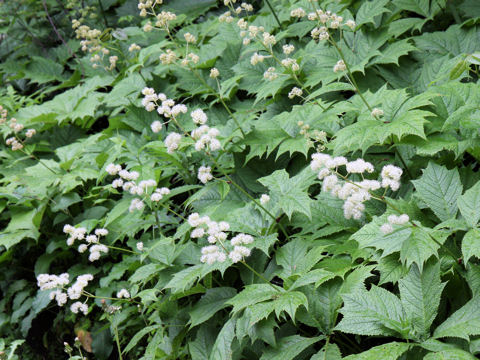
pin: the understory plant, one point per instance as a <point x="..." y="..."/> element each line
<point x="277" y="179"/>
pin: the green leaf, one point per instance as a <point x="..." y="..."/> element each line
<point x="374" y="312"/>
<point x="439" y="189"/>
<point x="468" y="205"/>
<point x="369" y="10"/>
<point x="288" y="347"/>
<point x="450" y="354"/>
<point x="462" y="323"/>
<point x="317" y="276"/>
<point x="389" y="351"/>
<point x="289" y="194"/>
<point x="251" y="295"/>
<point x="214" y="300"/>
<point x="222" y="349"/>
<point x="471" y="244"/>
<point x="420" y="294"/>
<point x="138" y="336"/>
<point x="328" y="352"/>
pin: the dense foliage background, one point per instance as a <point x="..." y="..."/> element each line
<point x="389" y="82"/>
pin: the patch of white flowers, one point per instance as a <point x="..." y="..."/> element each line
<point x="353" y="193"/>
<point x="61" y="293"/>
<point x="205" y="174"/>
<point x="217" y="234"/>
<point x="387" y="228"/>
<point x="92" y="241"/>
<point x="127" y="181"/>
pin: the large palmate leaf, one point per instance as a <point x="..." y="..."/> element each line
<point x="439" y="189"/>
<point x="402" y="117"/>
<point x="289" y="193"/>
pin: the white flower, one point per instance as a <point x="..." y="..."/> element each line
<point x="205" y="174"/>
<point x="113" y="169"/>
<point x="117" y="183"/>
<point x="256" y="58"/>
<point x="214" y="73"/>
<point x="156" y="126"/>
<point x="398" y="220"/>
<point x="199" y="117"/>
<point x="82" y="248"/>
<point x="270" y="74"/>
<point x="241" y="239"/>
<point x="376" y="112"/>
<point x="172" y="141"/>
<point x="140" y="246"/>
<point x="351" y="24"/>
<point x="78" y="306"/>
<point x="295" y="92"/>
<point x="68" y="229"/>
<point x="91" y="239"/>
<point x="386" y="229"/>
<point x="288" y="49"/>
<point x="123" y="293"/>
<point x="133" y="47"/>
<point x="264" y="199"/>
<point x="136" y="204"/>
<point x="359" y="166"/>
<point x="197" y="233"/>
<point x="339" y="66"/>
<point x="189" y="38"/>
<point x="391" y="177"/>
<point x="30" y="133"/>
<point x="268" y="40"/>
<point x="194" y="220"/>
<point x="298" y="13"/>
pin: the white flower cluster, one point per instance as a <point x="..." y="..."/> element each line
<point x="59" y="283"/>
<point x="144" y="5"/>
<point x="339" y="66"/>
<point x="295" y="92"/>
<point x="376" y="112"/>
<point x="164" y="19"/>
<point x="226" y="17"/>
<point x="14" y="141"/>
<point x="264" y="199"/>
<point x="391" y="177"/>
<point x="168" y="57"/>
<point x="216" y="232"/>
<point x="123" y="293"/>
<point x="298" y="13"/>
<point x="270" y="74"/>
<point x="204" y="136"/>
<point x="256" y="58"/>
<point x="92" y="241"/>
<point x="214" y="73"/>
<point x="189" y="38"/>
<point x="354" y="193"/>
<point x="127" y="181"/>
<point x="288" y="49"/>
<point x="387" y="228"/>
<point x="291" y="64"/>
<point x="330" y="20"/>
<point x="133" y="47"/>
<point x="204" y="174"/>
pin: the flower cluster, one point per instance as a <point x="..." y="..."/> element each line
<point x="354" y="193"/>
<point x="92" y="241"/>
<point x="295" y="92"/>
<point x="205" y="174"/>
<point x="127" y="181"/>
<point x="217" y="234"/>
<point x="91" y="42"/>
<point x="61" y="293"/>
<point x="15" y="142"/>
<point x="387" y="228"/>
<point x="145" y="5"/>
<point x="270" y="74"/>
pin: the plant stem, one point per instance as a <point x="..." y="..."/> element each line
<point x="259" y="275"/>
<point x="117" y="340"/>
<point x="273" y="12"/>
<point x="121" y="249"/>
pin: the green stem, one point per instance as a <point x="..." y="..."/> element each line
<point x="117" y="340"/>
<point x="121" y="249"/>
<point x="259" y="275"/>
<point x="273" y="13"/>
